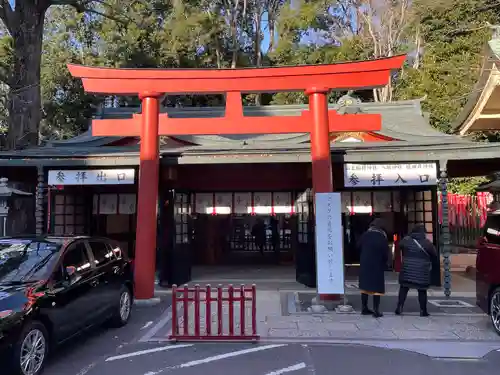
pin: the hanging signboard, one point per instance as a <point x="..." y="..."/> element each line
<point x="108" y="204"/>
<point x="204" y="203"/>
<point x="258" y="203"/>
<point x="329" y="244"/>
<point x="223" y="203"/>
<point x="242" y="203"/>
<point x="346" y="200"/>
<point x="378" y="175"/>
<point x="282" y="203"/>
<point x="91" y="177"/>
<point x="262" y="203"/>
<point x="127" y="204"/>
<point x="361" y="203"/>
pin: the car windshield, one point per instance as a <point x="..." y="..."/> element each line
<point x="26" y="260"/>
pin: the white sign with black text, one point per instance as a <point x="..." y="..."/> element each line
<point x="329" y="244"/>
<point x="375" y="175"/>
<point x="92" y="177"/>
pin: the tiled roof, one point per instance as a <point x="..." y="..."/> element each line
<point x="401" y="120"/>
<point x="404" y="121"/>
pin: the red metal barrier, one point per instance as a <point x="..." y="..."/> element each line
<point x="192" y="299"/>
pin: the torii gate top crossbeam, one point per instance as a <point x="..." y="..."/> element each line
<point x="343" y="76"/>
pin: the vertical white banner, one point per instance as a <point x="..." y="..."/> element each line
<point x="329" y="243"/>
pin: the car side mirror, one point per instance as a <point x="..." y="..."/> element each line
<point x="481" y="241"/>
<point x="71" y="272"/>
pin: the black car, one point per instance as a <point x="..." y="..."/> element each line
<point x="53" y="288"/>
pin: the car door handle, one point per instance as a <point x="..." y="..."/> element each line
<point x="94" y="282"/>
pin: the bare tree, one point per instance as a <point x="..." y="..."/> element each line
<point x="236" y="11"/>
<point x="272" y="8"/>
<point x="385" y="23"/>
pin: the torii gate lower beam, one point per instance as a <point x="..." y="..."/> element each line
<point x="149" y="84"/>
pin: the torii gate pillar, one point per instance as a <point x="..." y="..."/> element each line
<point x="144" y="273"/>
<point x="320" y="141"/>
<point x="322" y="176"/>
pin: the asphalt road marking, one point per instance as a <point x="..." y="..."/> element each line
<point x="164" y="319"/>
<point x="229" y="355"/>
<point x="296" y="367"/>
<point x="458" y="359"/>
<point x="147" y="351"/>
<point x="86" y="369"/>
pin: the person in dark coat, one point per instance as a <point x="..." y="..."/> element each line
<point x="418" y="256"/>
<point x="275" y="237"/>
<point x="259" y="234"/>
<point x="374" y="250"/>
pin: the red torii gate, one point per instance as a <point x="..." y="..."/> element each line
<point x="150" y="84"/>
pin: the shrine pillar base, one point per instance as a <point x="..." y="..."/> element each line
<point x="322" y="177"/>
<point x="145" y="245"/>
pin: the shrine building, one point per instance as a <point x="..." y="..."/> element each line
<point x="213" y="189"/>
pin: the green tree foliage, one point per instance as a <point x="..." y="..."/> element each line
<point x="6" y="55"/>
<point x="69" y="38"/>
<point x="451" y="37"/>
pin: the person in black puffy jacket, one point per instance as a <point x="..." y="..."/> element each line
<point x="418" y="256"/>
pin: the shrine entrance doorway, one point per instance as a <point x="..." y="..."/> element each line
<point x="244" y="239"/>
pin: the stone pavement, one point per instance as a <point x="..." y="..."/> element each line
<point x="280" y="316"/>
<point x="276" y="322"/>
<point x="390" y="327"/>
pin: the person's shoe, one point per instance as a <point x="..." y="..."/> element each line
<point x="424" y="313"/>
<point x="377" y="314"/>
<point x="366" y="311"/>
<point x="399" y="310"/>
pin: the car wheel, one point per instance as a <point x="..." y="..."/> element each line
<point x="495" y="309"/>
<point x="31" y="350"/>
<point x="123" y="308"/>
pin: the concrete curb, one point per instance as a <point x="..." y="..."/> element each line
<point x="147" y="302"/>
<point x="342" y="340"/>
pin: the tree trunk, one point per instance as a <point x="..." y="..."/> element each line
<point x="234" y="37"/>
<point x="272" y="31"/>
<point x="25" y="95"/>
<point x="258" y="52"/>
<point x="218" y="52"/>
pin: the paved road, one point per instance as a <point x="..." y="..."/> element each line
<point x="82" y="352"/>
<point x="135" y="350"/>
<point x="277" y="359"/>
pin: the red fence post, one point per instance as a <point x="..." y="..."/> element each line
<point x="254" y="311"/>
<point x="197" y="310"/>
<point x="219" y="310"/>
<point x="175" y="326"/>
<point x="208" y="317"/>
<point x="230" y="291"/>
<point x="185" y="306"/>
<point x="242" y="310"/>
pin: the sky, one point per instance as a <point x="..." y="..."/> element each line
<point x="265" y="40"/>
